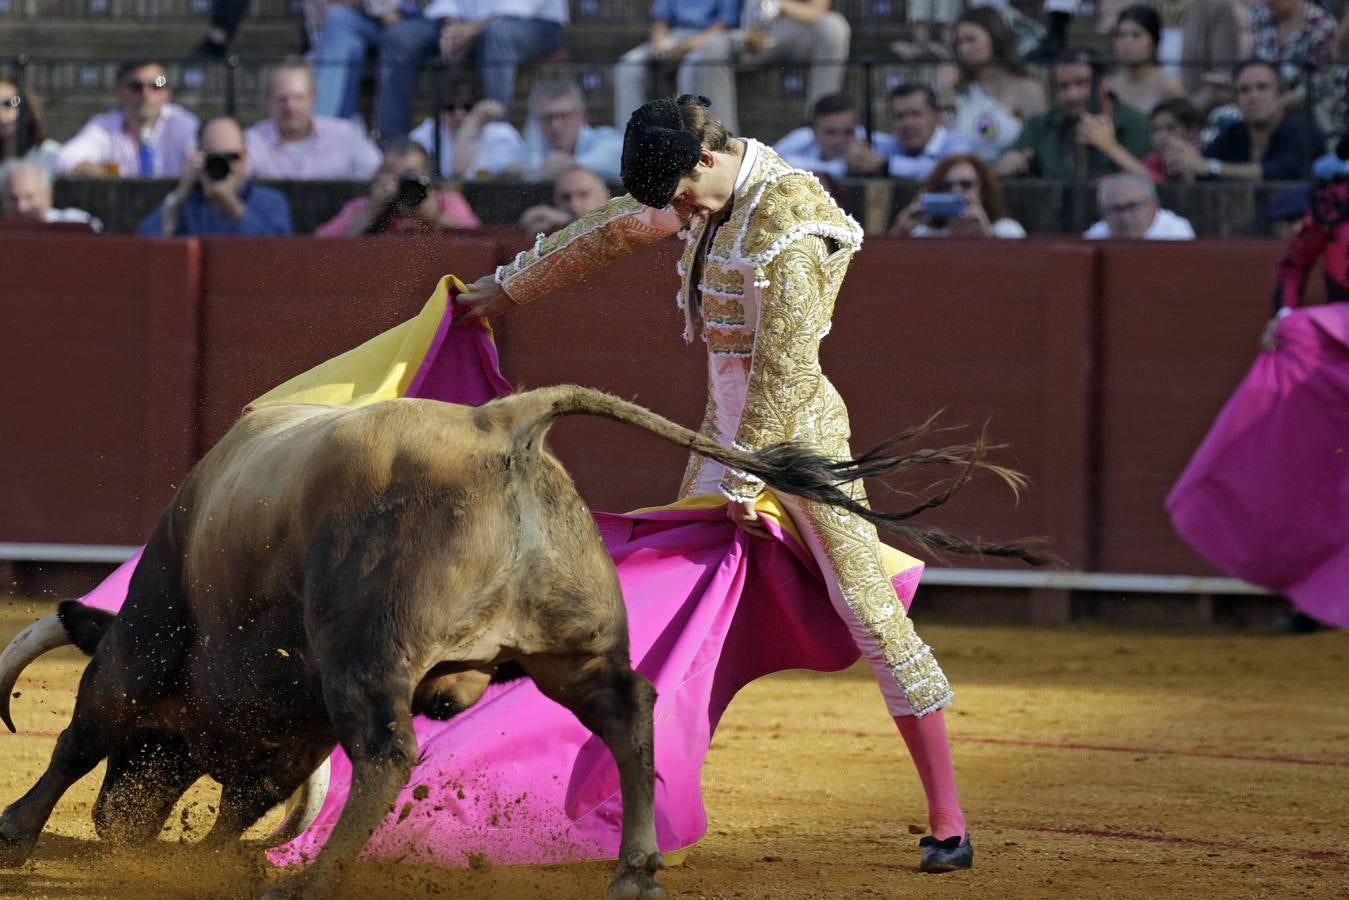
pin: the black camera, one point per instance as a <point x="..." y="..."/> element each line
<point x="217" y="166"/>
<point x="412" y="190"/>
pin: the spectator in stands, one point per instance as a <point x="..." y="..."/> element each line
<point x="928" y="21"/>
<point x="558" y="136"/>
<point x="919" y="141"/>
<point x="26" y="196"/>
<point x="402" y="199"/>
<point x="1086" y="133"/>
<point x="214" y="195"/>
<point x="1264" y="144"/>
<point x="496" y="36"/>
<point x="346" y="33"/>
<point x="475" y="139"/>
<point x="708" y="39"/>
<point x="1332" y="110"/>
<point x="822" y="146"/>
<point x="774" y="32"/>
<point x="984" y="215"/>
<point x="1172" y="121"/>
<point x="1131" y="211"/>
<point x="225" y="16"/>
<point x="994" y="95"/>
<point x="1139" y="81"/>
<point x="1286" y="211"/>
<point x="692" y="36"/>
<point x="1214" y="31"/>
<point x="146" y="136"/>
<point x="294" y="144"/>
<point x="1293" y="35"/>
<point x="576" y="192"/>
<point x="22" y="134"/>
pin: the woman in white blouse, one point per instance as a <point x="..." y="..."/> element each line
<point x="993" y="93"/>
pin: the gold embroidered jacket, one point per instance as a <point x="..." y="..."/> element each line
<point x="766" y="282"/>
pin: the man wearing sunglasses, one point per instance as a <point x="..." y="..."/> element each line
<point x="145" y="137"/>
<point x="214" y="195"/>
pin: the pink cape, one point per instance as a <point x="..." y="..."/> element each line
<point x="1266" y="496"/>
<point x="516" y="779"/>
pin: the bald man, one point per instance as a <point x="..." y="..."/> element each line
<point x="214" y="195"/>
<point x="576" y="192"/>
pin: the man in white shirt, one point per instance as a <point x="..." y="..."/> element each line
<point x="26" y="196"/>
<point x="919" y="140"/>
<point x="497" y="36"/>
<point x="823" y="145"/>
<point x="294" y="144"/>
<point x="146" y="136"/>
<point x="1132" y="212"/>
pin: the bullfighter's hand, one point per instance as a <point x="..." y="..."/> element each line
<point x="742" y="513"/>
<point x="483" y="299"/>
<point x="1268" y="341"/>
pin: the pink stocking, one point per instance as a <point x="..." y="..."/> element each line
<point x="931" y="752"/>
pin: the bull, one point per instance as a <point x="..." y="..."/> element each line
<point x="325" y="573"/>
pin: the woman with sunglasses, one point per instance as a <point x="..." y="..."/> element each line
<point x="983" y="215"/>
<point x="22" y="135"/>
<point x="476" y="141"/>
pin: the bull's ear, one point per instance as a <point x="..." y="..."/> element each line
<point x="83" y="624"/>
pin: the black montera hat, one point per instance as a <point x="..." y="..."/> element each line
<point x="657" y="151"/>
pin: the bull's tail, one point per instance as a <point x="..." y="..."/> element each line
<point x="793" y="468"/>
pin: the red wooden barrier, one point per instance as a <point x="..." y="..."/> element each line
<point x="274" y="308"/>
<point x="1100" y="364"/>
<point x="97" y="358"/>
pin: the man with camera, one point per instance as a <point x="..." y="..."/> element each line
<point x="214" y="195"/>
<point x="402" y="199"/>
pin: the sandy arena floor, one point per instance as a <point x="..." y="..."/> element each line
<point x="1093" y="764"/>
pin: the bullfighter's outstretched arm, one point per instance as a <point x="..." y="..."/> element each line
<point x="591" y="242"/>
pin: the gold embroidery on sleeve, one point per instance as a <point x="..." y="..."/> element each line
<point x="570" y="255"/>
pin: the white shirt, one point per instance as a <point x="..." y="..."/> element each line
<point x="474" y="10"/>
<point x="918" y="166"/>
<point x="799" y="149"/>
<point x="499" y="145"/>
<point x="72" y="215"/>
<point x="1003" y="228"/>
<point x="1166" y="226"/>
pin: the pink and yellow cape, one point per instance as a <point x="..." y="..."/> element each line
<point x="516" y="779"/>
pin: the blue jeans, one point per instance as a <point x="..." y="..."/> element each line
<point x="500" y="49"/>
<point x="345" y="41"/>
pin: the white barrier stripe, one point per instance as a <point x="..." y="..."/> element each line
<point x="994" y="578"/>
<point x="72" y="553"/>
<point x="1090" y="581"/>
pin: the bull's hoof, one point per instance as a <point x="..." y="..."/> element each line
<point x="636" y="878"/>
<point x="15" y="846"/>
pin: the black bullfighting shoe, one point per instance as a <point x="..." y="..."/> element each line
<point x="945" y="854"/>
